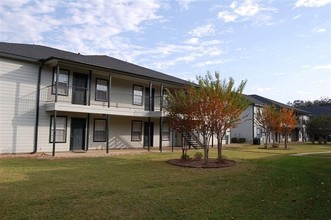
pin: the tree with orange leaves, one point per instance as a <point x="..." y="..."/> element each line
<point x="267" y="119"/>
<point x="287" y="122"/>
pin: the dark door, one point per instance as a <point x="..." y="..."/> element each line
<point x="79" y="89"/>
<point x="77" y="137"/>
<point x="147" y="99"/>
<point x="148" y="133"/>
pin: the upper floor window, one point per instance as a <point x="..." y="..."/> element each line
<point x="61" y="129"/>
<point x="101" y="90"/>
<point x="63" y="82"/>
<point x="137" y="95"/>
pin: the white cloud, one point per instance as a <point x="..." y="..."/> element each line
<point x="318" y="30"/>
<point x="227" y="16"/>
<point x="193" y="40"/>
<point x="204" y="30"/>
<point x="209" y="62"/>
<point x="185" y="4"/>
<point x="296" y="17"/>
<point x="311" y="3"/>
<point x="323" y="67"/>
<point x="246" y="10"/>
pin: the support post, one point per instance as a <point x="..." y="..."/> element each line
<point x="109" y="89"/>
<point x="89" y="88"/>
<point x="149" y="134"/>
<point x="107" y="135"/>
<point x="57" y="81"/>
<point x="161" y="128"/>
<point x="161" y="98"/>
<point x="87" y="131"/>
<point x="54" y="133"/>
<point x="150" y="96"/>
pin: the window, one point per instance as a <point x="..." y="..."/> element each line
<point x="165" y="131"/>
<point x="137" y="95"/>
<point x="61" y="129"/>
<point x="165" y="99"/>
<point x="136" y="130"/>
<point x="99" y="134"/>
<point x="101" y="90"/>
<point x="63" y="82"/>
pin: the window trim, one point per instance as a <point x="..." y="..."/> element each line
<point x="142" y="95"/>
<point x="168" y="131"/>
<point x="140" y="122"/>
<point x="51" y="132"/>
<point x="53" y="82"/>
<point x="95" y="92"/>
<point x="100" y="119"/>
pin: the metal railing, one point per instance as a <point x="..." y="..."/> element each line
<point x="84" y="96"/>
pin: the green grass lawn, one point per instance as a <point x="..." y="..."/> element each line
<point x="264" y="184"/>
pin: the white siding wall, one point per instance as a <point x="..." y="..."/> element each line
<point x="17" y="107"/>
<point x="245" y="129"/>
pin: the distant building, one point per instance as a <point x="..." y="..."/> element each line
<point x="249" y="130"/>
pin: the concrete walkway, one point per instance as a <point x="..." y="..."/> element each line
<point x="310" y="153"/>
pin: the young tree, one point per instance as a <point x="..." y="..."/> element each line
<point x="180" y="112"/>
<point x="221" y="106"/>
<point x="267" y="119"/>
<point x="319" y="128"/>
<point x="213" y="107"/>
<point x="287" y="122"/>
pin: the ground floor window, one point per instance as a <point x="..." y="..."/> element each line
<point x="61" y="129"/>
<point x="136" y="130"/>
<point x="100" y="129"/>
<point x="165" y="131"/>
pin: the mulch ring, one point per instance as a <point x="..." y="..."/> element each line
<point x="199" y="163"/>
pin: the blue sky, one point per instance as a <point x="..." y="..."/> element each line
<point x="282" y="48"/>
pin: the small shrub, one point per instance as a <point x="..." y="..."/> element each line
<point x="234" y="140"/>
<point x="198" y="156"/>
<point x="275" y="145"/>
<point x="241" y="140"/>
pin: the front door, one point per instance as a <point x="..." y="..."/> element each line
<point x="148" y="134"/>
<point x="77" y="137"/>
<point x="79" y="89"/>
<point x="147" y="99"/>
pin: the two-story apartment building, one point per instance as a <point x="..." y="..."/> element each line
<point x="249" y="129"/>
<point x="85" y="102"/>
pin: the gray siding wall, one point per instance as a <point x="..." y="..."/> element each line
<point x="17" y="105"/>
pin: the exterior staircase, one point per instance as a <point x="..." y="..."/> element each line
<point x="192" y="140"/>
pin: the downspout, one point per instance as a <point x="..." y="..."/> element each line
<point x="36" y="126"/>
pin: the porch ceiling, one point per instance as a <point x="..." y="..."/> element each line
<point x="67" y="107"/>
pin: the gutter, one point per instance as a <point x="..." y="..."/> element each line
<point x="36" y="127"/>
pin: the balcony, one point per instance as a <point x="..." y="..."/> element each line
<point x="77" y="99"/>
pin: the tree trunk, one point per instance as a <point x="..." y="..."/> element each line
<point x="206" y="149"/>
<point x="219" y="148"/>
<point x="286" y="140"/>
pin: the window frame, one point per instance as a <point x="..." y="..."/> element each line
<point x="94" y="130"/>
<point x="54" y="82"/>
<point x="167" y="131"/>
<point x="142" y="95"/>
<point x="107" y="92"/>
<point x="140" y="131"/>
<point x="51" y="129"/>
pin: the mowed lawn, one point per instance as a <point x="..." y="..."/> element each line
<point x="264" y="184"/>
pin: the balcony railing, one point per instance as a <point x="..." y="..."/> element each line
<point x="84" y="96"/>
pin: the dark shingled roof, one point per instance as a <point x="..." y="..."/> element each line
<point x="317" y="110"/>
<point x="259" y="100"/>
<point x="38" y="53"/>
